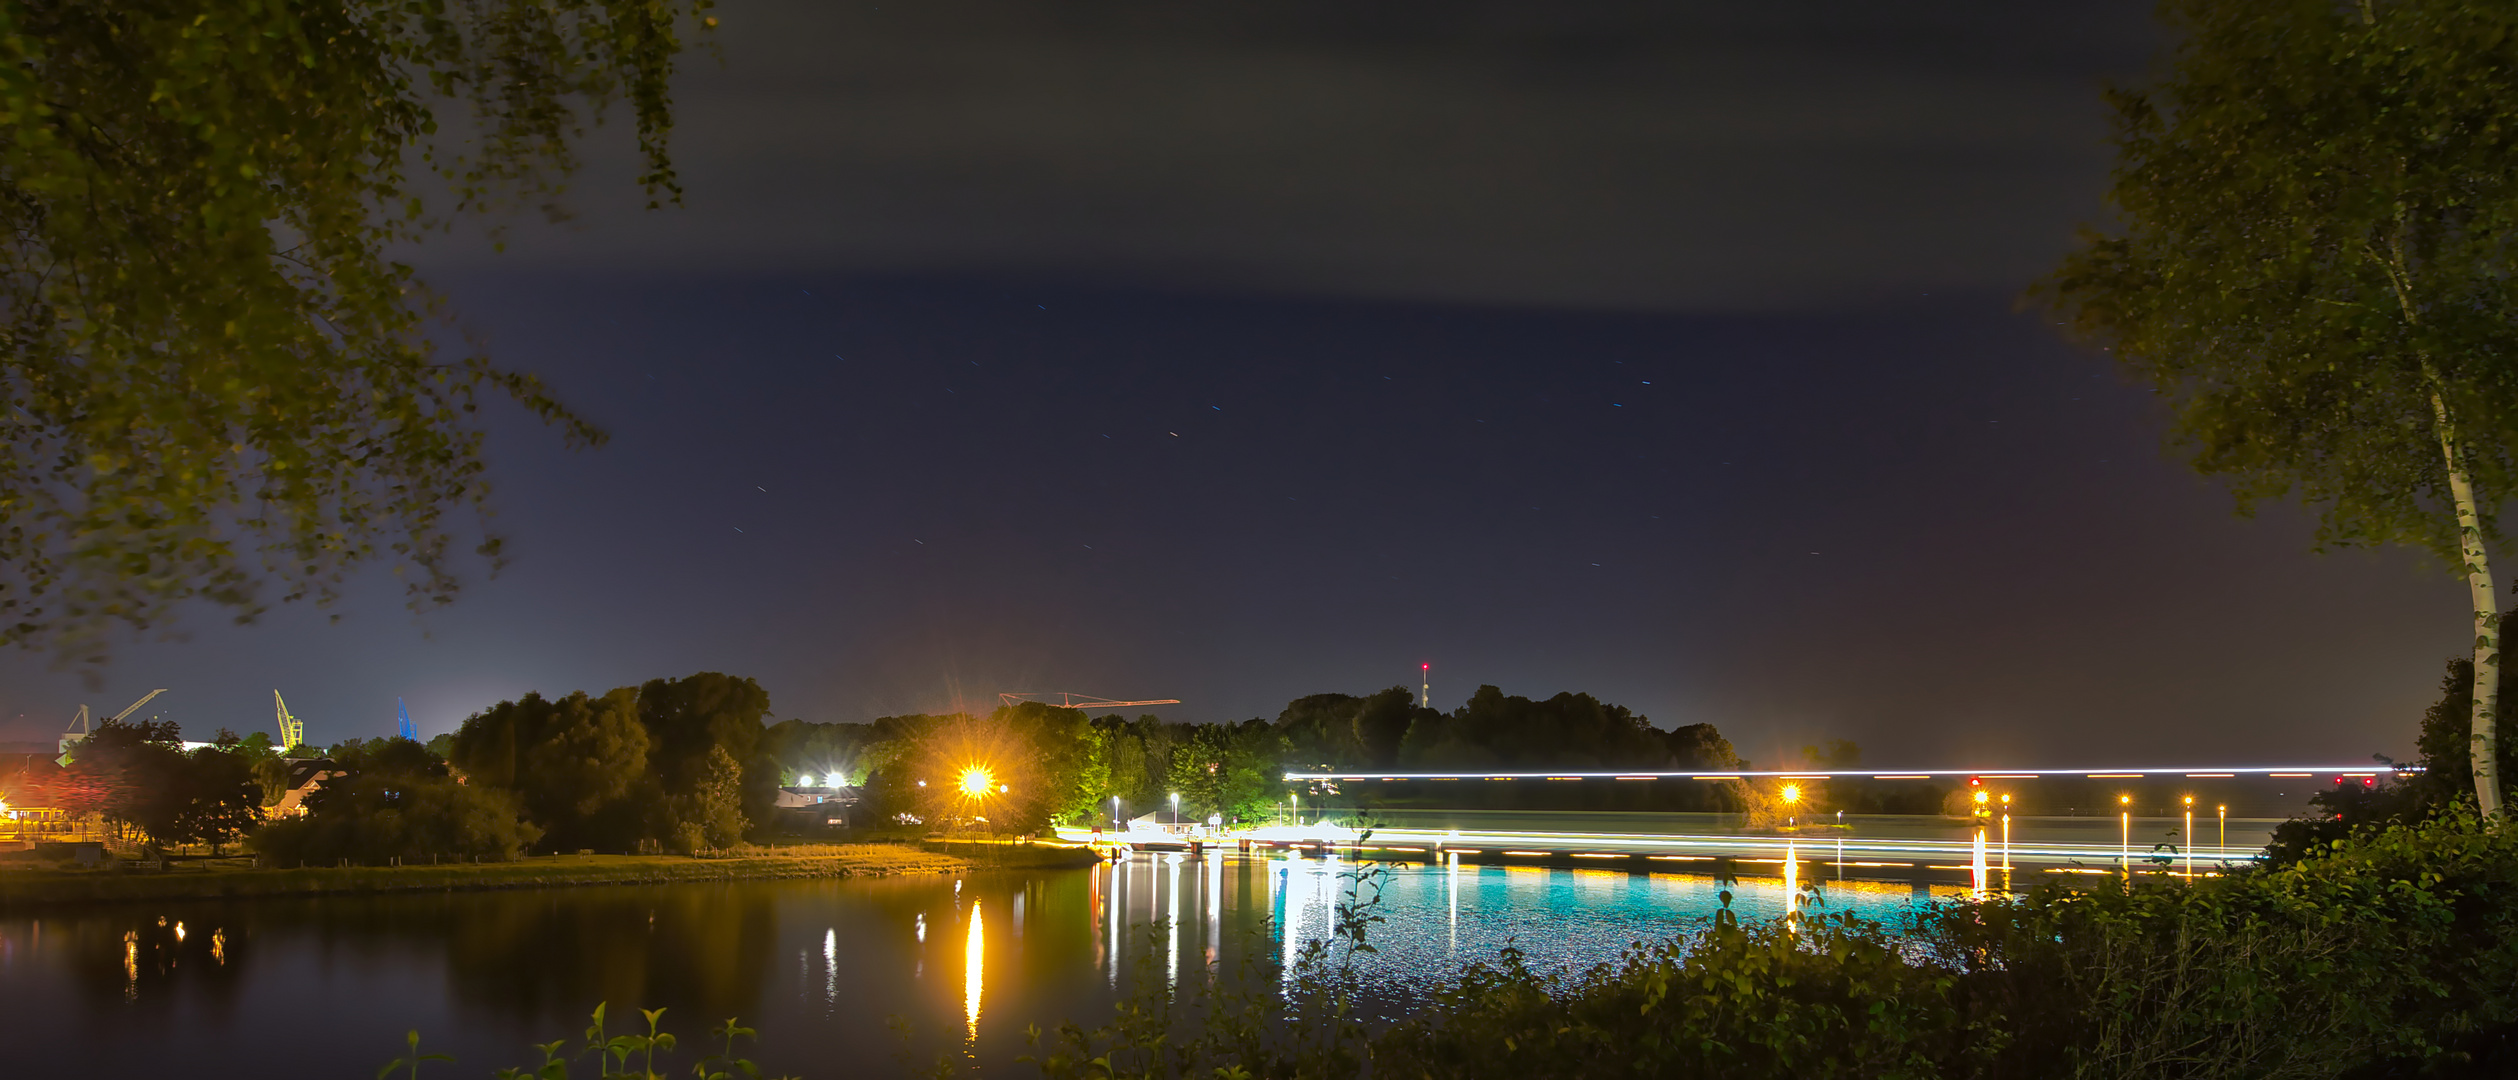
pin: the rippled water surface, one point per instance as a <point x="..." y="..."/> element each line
<point x="827" y="970"/>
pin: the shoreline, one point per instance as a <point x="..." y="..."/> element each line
<point x="35" y="889"/>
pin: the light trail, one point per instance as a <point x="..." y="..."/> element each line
<point x="1693" y="847"/>
<point x="2280" y="771"/>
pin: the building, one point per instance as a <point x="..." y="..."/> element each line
<point x="803" y="807"/>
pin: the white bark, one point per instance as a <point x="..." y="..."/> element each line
<point x="2483" y="728"/>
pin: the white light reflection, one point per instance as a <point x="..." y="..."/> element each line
<point x="1171" y="925"/>
<point x="1451" y="882"/>
<point x="1289" y="917"/>
<point x="1215" y="912"/>
<point x="830" y="965"/>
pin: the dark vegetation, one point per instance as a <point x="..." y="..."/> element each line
<point x="2379" y="941"/>
<point x="2384" y="955"/>
<point x="689" y="765"/>
<point x="2442" y="777"/>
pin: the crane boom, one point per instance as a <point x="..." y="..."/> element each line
<point x="292" y="729"/>
<point x="1081" y="701"/>
<point x="135" y="706"/>
<point x="80" y="720"/>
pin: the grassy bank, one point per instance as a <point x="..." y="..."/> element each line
<point x="48" y="887"/>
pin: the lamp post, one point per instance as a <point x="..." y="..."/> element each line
<point x="1176" y="811"/>
<point x="2124" y="837"/>
<point x="2222" y="848"/>
<point x="2189" y="838"/>
<point x="1792" y="797"/>
<point x="2006" y="837"/>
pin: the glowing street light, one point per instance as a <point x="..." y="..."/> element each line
<point x="1791" y="795"/>
<point x="977" y="781"/>
<point x="2189" y="838"/>
<point x="2223" y="846"/>
<point x="2006" y="835"/>
<point x="2124" y="840"/>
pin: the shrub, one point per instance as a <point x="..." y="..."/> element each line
<point x="374" y="817"/>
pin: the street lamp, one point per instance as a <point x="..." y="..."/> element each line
<point x="2189" y="838"/>
<point x="2124" y="839"/>
<point x="1175" y="811"/>
<point x="2006" y="834"/>
<point x="2223" y="846"/>
<point x="1791" y="795"/>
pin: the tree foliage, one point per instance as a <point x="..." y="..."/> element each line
<point x="216" y="376"/>
<point x="396" y="800"/>
<point x="137" y="775"/>
<point x="2318" y="210"/>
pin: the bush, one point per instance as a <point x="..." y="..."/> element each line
<point x="2394" y="951"/>
<point x="371" y="818"/>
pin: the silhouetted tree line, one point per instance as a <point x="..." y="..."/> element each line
<point x="1059" y="765"/>
<point x="679" y="763"/>
<point x="139" y="780"/>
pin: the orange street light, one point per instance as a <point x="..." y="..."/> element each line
<point x="977" y="780"/>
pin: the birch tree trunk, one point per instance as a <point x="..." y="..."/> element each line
<point x="2483" y="729"/>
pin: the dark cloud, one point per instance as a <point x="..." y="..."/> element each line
<point x="1643" y="155"/>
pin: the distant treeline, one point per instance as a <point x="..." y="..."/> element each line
<point x="689" y="764"/>
<point x="1071" y="768"/>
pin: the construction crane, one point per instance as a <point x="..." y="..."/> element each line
<point x="1080" y="701"/>
<point x="292" y="729"/>
<point x="80" y="720"/>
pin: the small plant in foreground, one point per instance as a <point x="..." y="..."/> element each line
<point x="612" y="1054"/>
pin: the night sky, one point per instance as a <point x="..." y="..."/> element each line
<point x="1239" y="351"/>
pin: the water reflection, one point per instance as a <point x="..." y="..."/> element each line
<point x="974" y="968"/>
<point x="819" y="967"/>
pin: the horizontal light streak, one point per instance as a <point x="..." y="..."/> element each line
<point x="1685" y="847"/>
<point x="2201" y="775"/>
<point x="1600" y="855"/>
<point x="1824" y="774"/>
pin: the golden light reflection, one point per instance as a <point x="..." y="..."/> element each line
<point x="974" y="963"/>
<point x="1792" y="886"/>
<point x="1791" y="794"/>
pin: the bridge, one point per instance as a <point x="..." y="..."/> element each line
<point x="2168" y="820"/>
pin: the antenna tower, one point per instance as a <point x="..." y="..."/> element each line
<point x="1425" y="689"/>
<point x="292" y="729"/>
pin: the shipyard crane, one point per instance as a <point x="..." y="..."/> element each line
<point x="79" y="720"/>
<point x="1080" y="701"/>
<point x="292" y="729"/>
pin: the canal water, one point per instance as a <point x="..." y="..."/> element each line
<point x="849" y="977"/>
